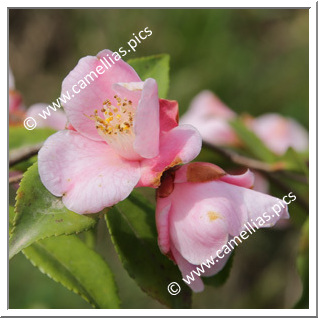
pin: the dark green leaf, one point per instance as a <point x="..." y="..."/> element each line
<point x="156" y="67"/>
<point x="67" y="260"/>
<point x="39" y="214"/>
<point x="132" y="227"/>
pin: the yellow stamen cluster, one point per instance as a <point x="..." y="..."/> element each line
<point x="117" y="119"/>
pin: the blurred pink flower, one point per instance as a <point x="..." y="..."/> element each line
<point x="122" y="136"/>
<point x="15" y="101"/>
<point x="200" y="209"/>
<point x="57" y="120"/>
<point x="18" y="112"/>
<point x="210" y="116"/>
<point x="279" y="133"/>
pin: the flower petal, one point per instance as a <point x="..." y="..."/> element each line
<point x="198" y="224"/>
<point x="202" y="221"/>
<point x="206" y="105"/>
<point x="185" y="267"/>
<point x="147" y="121"/>
<point x="245" y="180"/>
<point x="162" y="222"/>
<point x="219" y="263"/>
<point x="169" y="114"/>
<point x="278" y="133"/>
<point x="94" y="88"/>
<point x="210" y="116"/>
<point x="180" y="145"/>
<point x="88" y="174"/>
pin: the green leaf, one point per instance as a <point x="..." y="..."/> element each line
<point x="303" y="266"/>
<point x="11" y="217"/>
<point x="132" y="227"/>
<point x="295" y="161"/>
<point x="252" y="142"/>
<point x="156" y="67"/>
<point x="67" y="260"/>
<point x="221" y="277"/>
<point x="20" y="136"/>
<point x="39" y="214"/>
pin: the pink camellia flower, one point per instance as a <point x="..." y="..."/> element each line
<point x="122" y="136"/>
<point x="18" y="112"/>
<point x="211" y="116"/>
<point x="201" y="208"/>
<point x="279" y="133"/>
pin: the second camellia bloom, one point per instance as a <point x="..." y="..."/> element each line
<point x="200" y="208"/>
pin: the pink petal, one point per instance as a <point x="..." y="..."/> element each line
<point x="94" y="94"/>
<point x="162" y="221"/>
<point x="15" y="102"/>
<point x="147" y="121"/>
<point x="180" y="145"/>
<point x="217" y="131"/>
<point x="207" y="104"/>
<point x="219" y="264"/>
<point x="132" y="91"/>
<point x="204" y="215"/>
<point x="298" y="135"/>
<point x="88" y="174"/>
<point x="260" y="183"/>
<point x="245" y="180"/>
<point x="193" y="234"/>
<point x="57" y="120"/>
<point x="169" y="114"/>
<point x="210" y="116"/>
<point x="279" y="133"/>
<point x="185" y="267"/>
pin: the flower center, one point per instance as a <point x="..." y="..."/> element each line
<point x="213" y="215"/>
<point x="116" y="128"/>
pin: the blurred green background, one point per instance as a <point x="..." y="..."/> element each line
<point x="255" y="60"/>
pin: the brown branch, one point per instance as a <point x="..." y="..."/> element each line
<point x="256" y="164"/>
<point x="242" y="160"/>
<point x="24" y="153"/>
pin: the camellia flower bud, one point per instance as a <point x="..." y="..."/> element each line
<point x="200" y="208"/>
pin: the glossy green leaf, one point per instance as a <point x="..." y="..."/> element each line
<point x="156" y="67"/>
<point x="303" y="265"/>
<point x="132" y="227"/>
<point x="253" y="144"/>
<point x="221" y="277"/>
<point x="67" y="260"/>
<point x="39" y="214"/>
<point x="20" y="136"/>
